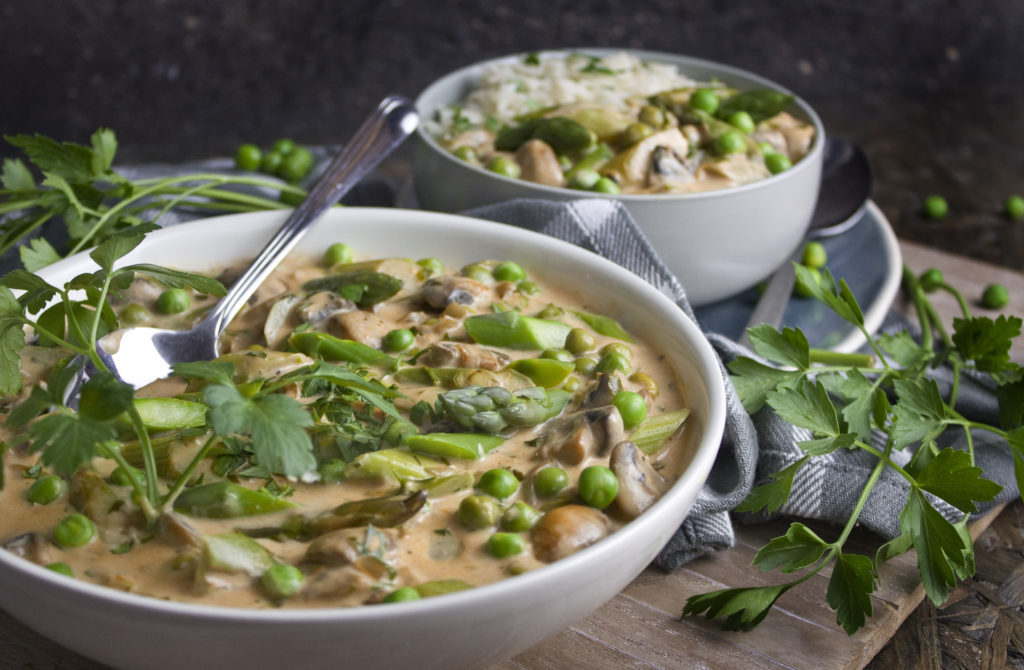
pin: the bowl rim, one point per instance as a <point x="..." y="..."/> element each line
<point x="704" y="362"/>
<point x="470" y="72"/>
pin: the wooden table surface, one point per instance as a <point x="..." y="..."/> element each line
<point x="640" y="627"/>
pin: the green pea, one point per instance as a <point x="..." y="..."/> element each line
<point x="572" y="384"/>
<point x="636" y="132"/>
<point x="584" y="179"/>
<point x="296" y="165"/>
<point x="134" y="314"/>
<point x="504" y="166"/>
<point x="283" y="146"/>
<point x="45" y="490"/>
<point x="478" y="272"/>
<point x="432" y="265"/>
<point x="74" y="530"/>
<point x="579" y="341"/>
<point x="173" y="301"/>
<point x="632" y="408"/>
<point x="930" y="279"/>
<point x="61" y="568"/>
<point x="995" y="296"/>
<point x="338" y="253"/>
<point x="586" y="365"/>
<point x="777" y="163"/>
<point x="730" y="142"/>
<point x="399" y="339"/>
<point x="1014" y="207"/>
<point x="558" y="355"/>
<point x="402" y="595"/>
<point x="766" y="148"/>
<point x="935" y="207"/>
<point x="653" y="115"/>
<point x="613" y="362"/>
<point x="742" y="121"/>
<point x="598" y="486"/>
<point x="606" y="185"/>
<point x="498" y="482"/>
<point x="519" y="517"/>
<point x="281" y="581"/>
<point x="550" y="311"/>
<point x="705" y="100"/>
<point x="814" y="255"/>
<point x="248" y="157"/>
<point x="804" y="292"/>
<point x="466" y="153"/>
<point x="550" y="481"/>
<point x="509" y="271"/>
<point x="503" y="545"/>
<point x="271" y="162"/>
<point x="617" y="348"/>
<point x="477" y="512"/>
<point x="527" y="287"/>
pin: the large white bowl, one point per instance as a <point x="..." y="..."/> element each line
<point x="717" y="243"/>
<point x="466" y="629"/>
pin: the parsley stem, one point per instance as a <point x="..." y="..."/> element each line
<point x="952" y="290"/>
<point x="837" y="358"/>
<point x="883" y="462"/>
<point x="137" y="485"/>
<point x="167" y="504"/>
<point x="148" y="456"/>
<point x="913" y="287"/>
<point x="18" y="205"/>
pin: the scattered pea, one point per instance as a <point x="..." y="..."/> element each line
<point x="527" y="287"/>
<point x="815" y="255"/>
<point x="332" y="471"/>
<point x="632" y="408"/>
<point x="935" y="207"/>
<point x="705" y="100"/>
<point x="606" y="185"/>
<point x="519" y="518"/>
<point x="296" y="165"/>
<point x="617" y="348"/>
<point x="571" y="384"/>
<point x="402" y="595"/>
<point x="579" y="341"/>
<point x="432" y="265"/>
<point x="550" y="312"/>
<point x="558" y="355"/>
<point x="550" y="481"/>
<point x="930" y="279"/>
<point x="801" y="290"/>
<point x="338" y="253"/>
<point x="742" y="121"/>
<point x="1014" y="207"/>
<point x="477" y="512"/>
<point x="283" y="146"/>
<point x="654" y="116"/>
<point x="777" y="163"/>
<point x="498" y="482"/>
<point x="281" y="581"/>
<point x="399" y="339"/>
<point x="585" y="365"/>
<point x="509" y="271"/>
<point x="466" y="153"/>
<point x="598" y="486"/>
<point x="173" y="301"/>
<point x="74" y="530"/>
<point x="248" y="157"/>
<point x="613" y="362"/>
<point x="478" y="272"/>
<point x="766" y="148"/>
<point x="504" y="166"/>
<point x="730" y="142"/>
<point x="995" y="296"/>
<point x="134" y="314"/>
<point x="503" y="545"/>
<point x="45" y="490"/>
<point x="584" y="179"/>
<point x="61" y="568"/>
<point x="635" y="132"/>
<point x="271" y="162"/>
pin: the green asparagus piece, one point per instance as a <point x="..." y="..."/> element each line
<point x="454" y="445"/>
<point x="495" y="410"/>
<point x="170" y="413"/>
<point x="604" y="325"/>
<point x="399" y="465"/>
<point x="515" y="331"/>
<point x="234" y="552"/>
<point x="330" y="348"/>
<point x="361" y="287"/>
<point x="544" y="372"/>
<point x="454" y="378"/>
<point x="650" y="435"/>
<point x="227" y="500"/>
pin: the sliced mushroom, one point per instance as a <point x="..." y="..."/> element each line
<point x="26" y="545"/>
<point x="280" y="321"/>
<point x="442" y="291"/>
<point x="539" y="163"/>
<point x="631" y="167"/>
<point x="737" y="169"/>
<point x="565" y="530"/>
<point x="639" y="484"/>
<point x="576" y="437"/>
<point x="317" y="308"/>
<point x="668" y="170"/>
<point x="174" y="529"/>
<point x="343" y="547"/>
<point x="604" y="390"/>
<point x="359" y="325"/>
<point x="461" y="355"/>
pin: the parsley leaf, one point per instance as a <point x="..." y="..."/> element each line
<point x="16" y="176"/>
<point x="798" y="548"/>
<point x="941" y="550"/>
<point x="743" y="607"/>
<point x="753" y="380"/>
<point x="771" y="495"/>
<point x="951" y="476"/>
<point x="849" y="590"/>
<point x="788" y="347"/>
<point x="37" y="254"/>
<point x="806" y="404"/>
<point x="987" y="342"/>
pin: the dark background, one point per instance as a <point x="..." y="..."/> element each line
<point x="931" y="89"/>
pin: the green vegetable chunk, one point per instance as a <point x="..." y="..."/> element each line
<point x="935" y="207"/>
<point x="363" y="287"/>
<point x="74" y="530"/>
<point x="227" y="500"/>
<point x="498" y="482"/>
<point x="173" y="301"/>
<point x="170" y="413"/>
<point x="544" y="372"/>
<point x="995" y="296"/>
<point x="1014" y="207"/>
<point x="248" y="157"/>
<point x="632" y="407"/>
<point x="281" y="581"/>
<point x="598" y="486"/>
<point x="519" y="517"/>
<point x="603" y="325"/>
<point x="439" y="587"/>
<point x="550" y="481"/>
<point x="46" y="490"/>
<point x="477" y="512"/>
<point x="504" y="545"/>
<point x="454" y="445"/>
<point x="338" y="253"/>
<point x="650" y="435"/>
<point x="236" y="553"/>
<point x="402" y="595"/>
<point x="61" y="568"/>
<point x="327" y="347"/>
<point x="515" y="331"/>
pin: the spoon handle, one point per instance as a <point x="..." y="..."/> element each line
<point x="393" y="120"/>
<point x="772" y="303"/>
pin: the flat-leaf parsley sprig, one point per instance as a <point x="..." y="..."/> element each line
<point x="78" y="185"/>
<point x="843" y="403"/>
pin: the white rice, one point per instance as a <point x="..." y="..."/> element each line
<point x="513" y="88"/>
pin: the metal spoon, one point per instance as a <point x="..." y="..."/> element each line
<point x="144" y="355"/>
<point x="846" y="182"/>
